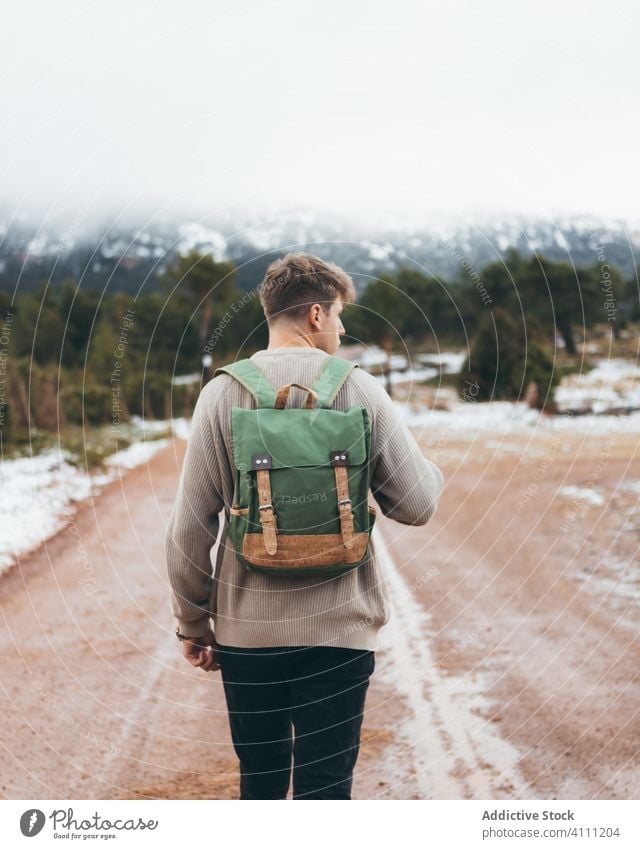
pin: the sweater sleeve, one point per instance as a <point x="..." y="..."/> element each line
<point x="194" y="522"/>
<point x="405" y="484"/>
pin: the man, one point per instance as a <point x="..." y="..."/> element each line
<point x="295" y="652"/>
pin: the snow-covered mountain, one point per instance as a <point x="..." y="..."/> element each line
<point x="126" y="255"/>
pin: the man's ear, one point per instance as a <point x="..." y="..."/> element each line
<point x="315" y="312"/>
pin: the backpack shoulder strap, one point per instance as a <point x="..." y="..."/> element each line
<point x="334" y="373"/>
<point x="253" y="379"/>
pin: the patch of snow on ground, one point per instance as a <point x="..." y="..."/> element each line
<point x="375" y="356"/>
<point x="37" y="493"/>
<point x="590" y="495"/>
<point x="149" y="426"/>
<point x="615" y="578"/>
<point x="611" y="370"/>
<point x="409" y="376"/>
<point x="507" y="417"/>
<point x="179" y="427"/>
<point x="630" y="486"/>
<point x="499" y="417"/>
<point x="35" y="498"/>
<point x="136" y="454"/>
<point x="450" y="361"/>
<point x="186" y="379"/>
<point x="613" y="383"/>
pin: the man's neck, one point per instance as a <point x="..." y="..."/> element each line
<point x="289" y="342"/>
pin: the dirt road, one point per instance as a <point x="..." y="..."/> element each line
<point x="509" y="668"/>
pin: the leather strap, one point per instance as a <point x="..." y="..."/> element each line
<point x="266" y="512"/>
<point x="344" y="506"/>
<point x="283" y="394"/>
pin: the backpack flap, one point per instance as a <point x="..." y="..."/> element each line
<point x="297" y="437"/>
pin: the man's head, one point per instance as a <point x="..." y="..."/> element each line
<point x="302" y="297"/>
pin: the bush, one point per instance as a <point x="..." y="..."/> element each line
<point x="494" y="363"/>
<point x="539" y="367"/>
<point x="91" y="404"/>
<point x="502" y="362"/>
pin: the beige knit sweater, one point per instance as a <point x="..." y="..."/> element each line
<point x="251" y="609"/>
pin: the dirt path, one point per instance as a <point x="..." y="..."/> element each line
<point x="499" y="676"/>
<point x="100" y="702"/>
<point x="533" y="604"/>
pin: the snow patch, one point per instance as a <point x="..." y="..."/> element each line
<point x="35" y="498"/>
<point x="136" y="454"/>
<point x="37" y="493"/>
<point x="178" y="427"/>
<point x="501" y="418"/>
<point x="450" y="362"/>
<point x="186" y="379"/>
<point x="194" y="236"/>
<point x="590" y="495"/>
<point x="612" y="384"/>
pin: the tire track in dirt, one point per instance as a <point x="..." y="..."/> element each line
<point x="455" y="752"/>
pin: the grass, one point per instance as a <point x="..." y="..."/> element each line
<point x="86" y="448"/>
<point x="445" y="379"/>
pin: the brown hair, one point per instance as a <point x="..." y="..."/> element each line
<point x="298" y="280"/>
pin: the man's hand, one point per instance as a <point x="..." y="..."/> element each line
<point x="201" y="651"/>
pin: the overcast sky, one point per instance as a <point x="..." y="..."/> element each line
<point x="406" y="108"/>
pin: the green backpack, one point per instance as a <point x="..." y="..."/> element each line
<point x="302" y="477"/>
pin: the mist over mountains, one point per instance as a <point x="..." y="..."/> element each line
<point x="117" y="256"/>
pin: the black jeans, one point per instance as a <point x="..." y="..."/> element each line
<point x="320" y="692"/>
